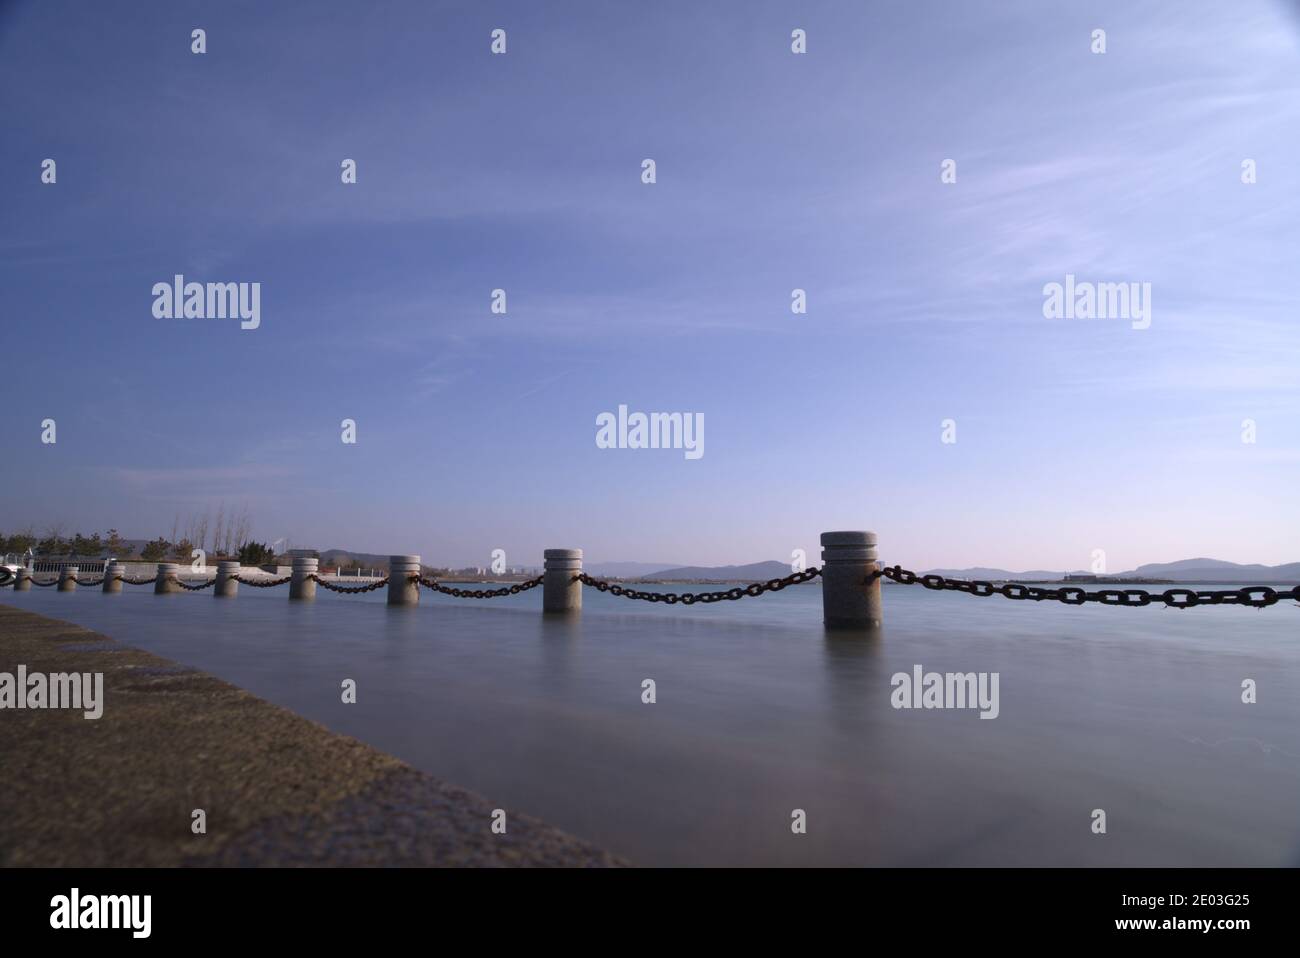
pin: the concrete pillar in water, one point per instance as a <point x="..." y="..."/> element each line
<point x="401" y="590"/>
<point x="113" y="573"/>
<point x="226" y="583"/>
<point x="848" y="601"/>
<point x="68" y="578"/>
<point x="166" y="582"/>
<point x="560" y="593"/>
<point x="301" y="585"/>
<point x="24" y="581"/>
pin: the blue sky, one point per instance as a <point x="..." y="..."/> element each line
<point x="775" y="171"/>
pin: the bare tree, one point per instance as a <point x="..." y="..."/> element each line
<point x="217" y="528"/>
<point x="199" y="533"/>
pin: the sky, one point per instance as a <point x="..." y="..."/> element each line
<point x="774" y="171"/>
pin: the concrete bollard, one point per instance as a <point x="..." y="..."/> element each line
<point x="227" y="585"/>
<point x="68" y="578"/>
<point x="401" y="591"/>
<point x="847" y="601"/>
<point x="301" y="585"/>
<point x="113" y="573"/>
<point x="166" y="582"/>
<point x="560" y="593"/>
<point x="24" y="581"/>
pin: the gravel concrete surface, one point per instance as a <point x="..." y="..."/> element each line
<point x="277" y="789"/>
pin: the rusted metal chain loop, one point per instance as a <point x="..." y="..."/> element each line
<point x="690" y="598"/>
<point x="129" y="581"/>
<point x="260" y="584"/>
<point x="91" y="582"/>
<point x="349" y="589"/>
<point x="1255" y="596"/>
<point x="513" y="589"/>
<point x="45" y="584"/>
<point x="196" y="588"/>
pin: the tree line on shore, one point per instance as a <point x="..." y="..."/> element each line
<point x="226" y="537"/>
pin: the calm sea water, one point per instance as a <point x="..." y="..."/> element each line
<point x="760" y="711"/>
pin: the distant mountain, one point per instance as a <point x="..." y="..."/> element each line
<point x="1216" y="570"/>
<point x="1184" y="570"/>
<point x="754" y="572"/>
<point x="335" y="557"/>
<point x="979" y="572"/>
<point x="624" y="570"/>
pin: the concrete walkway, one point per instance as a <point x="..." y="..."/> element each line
<point x="277" y="789"/>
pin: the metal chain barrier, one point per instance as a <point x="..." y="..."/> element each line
<point x="514" y="589"/>
<point x="45" y="585"/>
<point x="129" y="581"/>
<point x="196" y="588"/>
<point x="690" y="598"/>
<point x="349" y="589"/>
<point x="91" y="582"/>
<point x="1256" y="596"/>
<point x="259" y="584"/>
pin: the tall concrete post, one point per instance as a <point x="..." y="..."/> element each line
<point x="560" y="593"/>
<point x="227" y="585"/>
<point x="113" y="573"/>
<point x="68" y="578"/>
<point x="848" y="601"/>
<point x="24" y="581"/>
<point x="401" y="590"/>
<point x="301" y="585"/>
<point x="166" y="582"/>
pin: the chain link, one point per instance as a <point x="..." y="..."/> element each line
<point x="514" y="589"/>
<point x="129" y="581"/>
<point x="349" y="589"/>
<point x="1255" y="596"/>
<point x="196" y="588"/>
<point x="690" y="598"/>
<point x="259" y="584"/>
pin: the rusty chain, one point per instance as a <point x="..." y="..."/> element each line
<point x="514" y="589"/>
<point x="261" y="585"/>
<point x="1258" y="596"/>
<point x="1255" y="596"/>
<point x="196" y="588"/>
<point x="690" y="598"/>
<point x="349" y="589"/>
<point x="92" y="582"/>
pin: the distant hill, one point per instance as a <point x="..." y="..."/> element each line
<point x="336" y="557"/>
<point x="754" y="572"/>
<point x="1216" y="570"/>
<point x="980" y="572"/>
<point x="624" y="570"/>
<point x="1184" y="570"/>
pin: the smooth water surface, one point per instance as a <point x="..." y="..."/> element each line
<point x="760" y="711"/>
